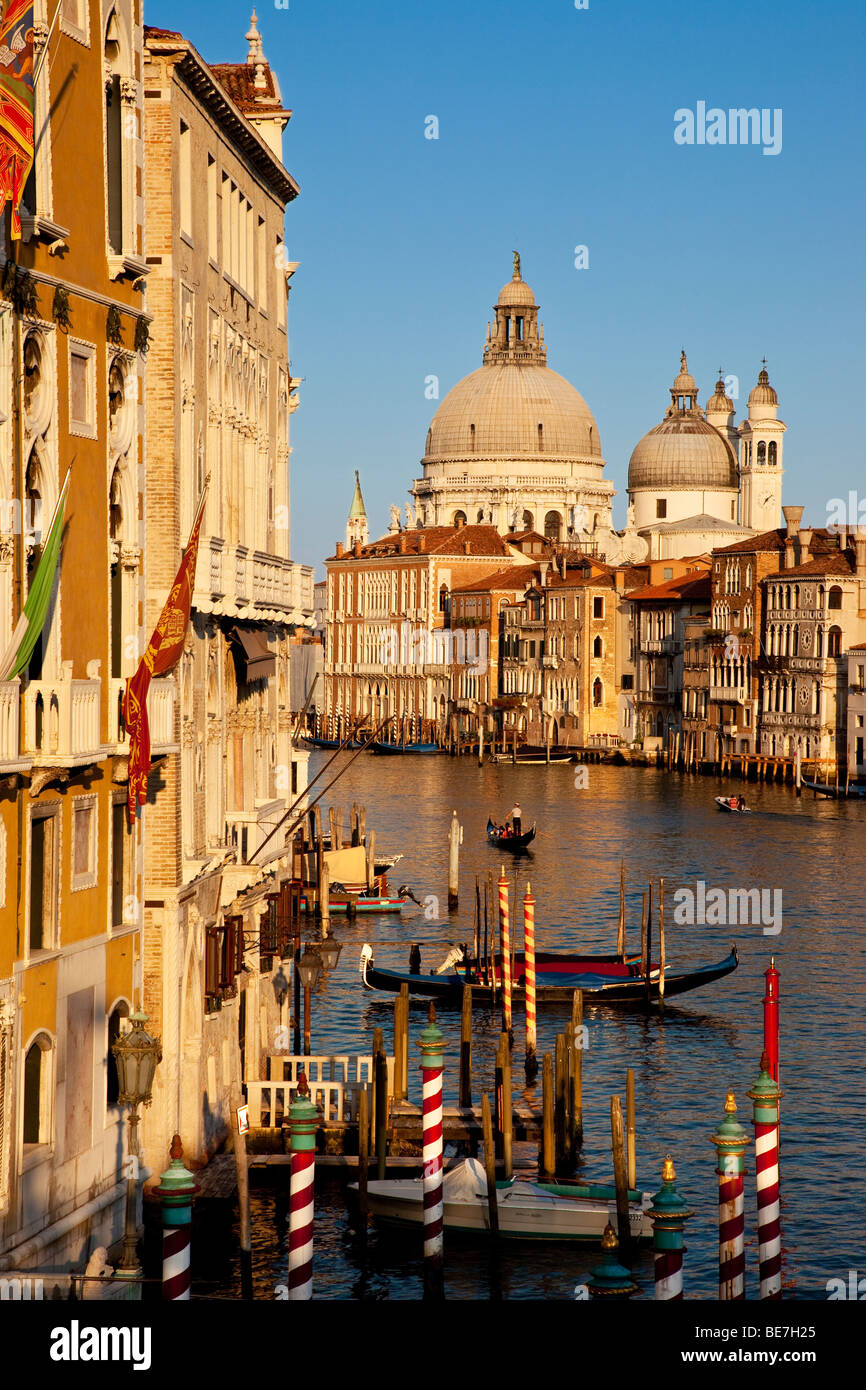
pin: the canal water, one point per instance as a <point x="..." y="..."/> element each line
<point x="812" y="850"/>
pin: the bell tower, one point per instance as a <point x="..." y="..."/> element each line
<point x="356" y="526"/>
<point x="761" y="441"/>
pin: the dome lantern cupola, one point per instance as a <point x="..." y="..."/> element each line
<point x="684" y="392"/>
<point x="515" y="337"/>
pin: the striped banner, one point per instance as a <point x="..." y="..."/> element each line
<point x="505" y="948"/>
<point x="769" y="1223"/>
<point x="668" y="1272"/>
<point x="732" y="1257"/>
<point x="175" y="1262"/>
<point x="431" y="1079"/>
<point x="301" y="1226"/>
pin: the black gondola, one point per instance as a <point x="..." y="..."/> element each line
<point x="603" y="979"/>
<point x="513" y="843"/>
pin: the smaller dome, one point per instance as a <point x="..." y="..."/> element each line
<point x="516" y="292"/>
<point x="719" y="403"/>
<point x="763" y="393"/>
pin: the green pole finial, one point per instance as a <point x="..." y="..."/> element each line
<point x="176" y="1188"/>
<point x="730" y="1141"/>
<point x="669" y="1212"/>
<point x="303" y="1119"/>
<point x="431" y="1042"/>
<point x="765" y="1095"/>
<point x="610" y="1279"/>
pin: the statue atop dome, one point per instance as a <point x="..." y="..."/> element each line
<point x="516" y="275"/>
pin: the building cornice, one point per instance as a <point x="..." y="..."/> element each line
<point x="206" y="88"/>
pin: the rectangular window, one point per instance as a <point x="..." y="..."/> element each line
<point x="83" y="842"/>
<point x="668" y="572"/>
<point x="628" y="682"/>
<point x="185" y="174"/>
<point x="262" y="259"/>
<point x="212" y="221"/>
<point x="661" y="507"/>
<point x="43" y="882"/>
<point x="598" y="607"/>
<point x="225" y="199"/>
<point x="280" y="271"/>
<point x="82" y="389"/>
<point x="121" y="862"/>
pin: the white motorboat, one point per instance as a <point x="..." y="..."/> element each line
<point x="527" y="1210"/>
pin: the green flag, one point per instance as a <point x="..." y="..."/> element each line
<point x="29" y="626"/>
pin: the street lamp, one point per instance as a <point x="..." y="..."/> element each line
<point x="329" y="950"/>
<point x="137" y="1055"/>
<point x="309" y="969"/>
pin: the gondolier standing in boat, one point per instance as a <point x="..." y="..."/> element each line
<point x="514" y="817"/>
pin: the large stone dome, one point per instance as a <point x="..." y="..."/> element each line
<point x="509" y="410"/>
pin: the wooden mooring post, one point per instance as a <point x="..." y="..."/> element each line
<point x="547" y="1147"/>
<point x="630" y="1128"/>
<point x="506" y="1118"/>
<point x="363" y="1158"/>
<point x="561" y="1104"/>
<point x="455" y="836"/>
<point x="576" y="1100"/>
<point x="243" y="1176"/>
<point x="465" y="1087"/>
<point x="620" y="1177"/>
<point x="490" y="1166"/>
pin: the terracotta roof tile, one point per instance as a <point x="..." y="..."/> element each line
<point x="688" y="587"/>
<point x="238" y="79"/>
<point x="516" y="577"/>
<point x="842" y="562"/>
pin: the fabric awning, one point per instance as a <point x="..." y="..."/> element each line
<point x="260" y="660"/>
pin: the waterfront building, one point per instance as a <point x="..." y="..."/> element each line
<point x="73" y="333"/>
<point x="514" y="445"/>
<point x="815" y="609"/>
<point x="479" y="697"/>
<point x="216" y="193"/>
<point x="701" y="731"/>
<point x="388" y="647"/>
<point x="661" y="609"/>
<point x="688" y="490"/>
<point x="857" y="712"/>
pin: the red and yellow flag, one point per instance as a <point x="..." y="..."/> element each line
<point x="16" y="104"/>
<point x="163" y="650"/>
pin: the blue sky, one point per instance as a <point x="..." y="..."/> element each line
<point x="556" y="130"/>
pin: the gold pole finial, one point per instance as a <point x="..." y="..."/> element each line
<point x="730" y="1104"/>
<point x="668" y="1171"/>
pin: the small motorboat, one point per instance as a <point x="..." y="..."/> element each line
<point x="527" y="1210"/>
<point x="513" y="843"/>
<point x="827" y="789"/>
<point x="534" y="755"/>
<point x="373" y="901"/>
<point x="732" y="805"/>
<point x="604" y="979"/>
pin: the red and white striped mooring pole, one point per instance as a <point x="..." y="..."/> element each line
<point x="529" y="981"/>
<point x="303" y="1120"/>
<point x="431" y="1083"/>
<point x="175" y="1190"/>
<point x="505" y="949"/>
<point x="766" y="1095"/>
<point x="730" y="1141"/>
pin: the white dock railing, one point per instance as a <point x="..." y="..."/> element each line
<point x="335" y="1085"/>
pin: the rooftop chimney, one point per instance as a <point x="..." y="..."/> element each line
<point x="422" y="542"/>
<point x="793" y="517"/>
<point x="860" y="551"/>
<point x="543" y="568"/>
<point x="402" y="543"/>
<point x="339" y="549"/>
<point x="805" y="542"/>
<point x="356" y="549"/>
<point x="460" y="523"/>
<point x="467" y="548"/>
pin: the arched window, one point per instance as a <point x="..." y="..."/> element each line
<point x="37" y="1092"/>
<point x="834" y="598"/>
<point x="443" y="598"/>
<point x="598" y="693"/>
<point x="762" y="452"/>
<point x="459" y="518"/>
<point x="834" y="641"/>
<point x="540" y="437"/>
<point x="771" y="453"/>
<point x="528" y="521"/>
<point x="112" y="1080"/>
<point x="113" y="135"/>
<point x="552" y="526"/>
<point x="597" y="647"/>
